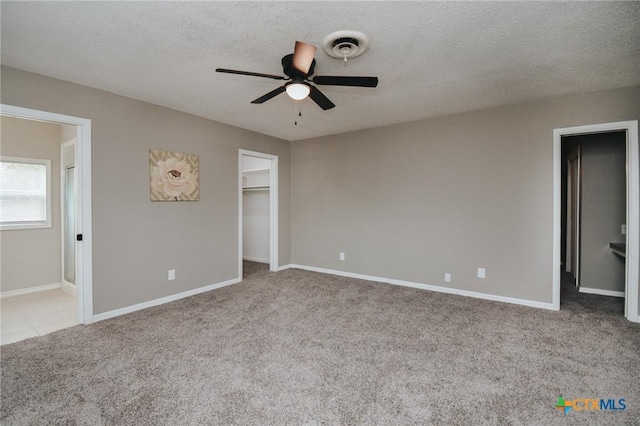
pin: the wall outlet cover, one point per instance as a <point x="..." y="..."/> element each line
<point x="481" y="273"/>
<point x="172" y="274"/>
<point x="447" y="278"/>
<point x="624" y="229"/>
<point x="341" y="255"/>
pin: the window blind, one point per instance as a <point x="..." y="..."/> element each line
<point x="23" y="192"/>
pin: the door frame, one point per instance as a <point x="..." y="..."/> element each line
<point x="84" y="250"/>
<point x="633" y="209"/>
<point x="573" y="243"/>
<point x="63" y="211"/>
<point x="273" y="208"/>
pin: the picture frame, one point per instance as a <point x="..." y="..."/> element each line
<point x="173" y="176"/>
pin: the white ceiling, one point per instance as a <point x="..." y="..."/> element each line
<point x="432" y="58"/>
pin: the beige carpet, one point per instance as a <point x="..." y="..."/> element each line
<point x="298" y="347"/>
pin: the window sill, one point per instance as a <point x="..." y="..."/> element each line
<point x="23" y="226"/>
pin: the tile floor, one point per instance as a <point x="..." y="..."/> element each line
<point x="36" y="314"/>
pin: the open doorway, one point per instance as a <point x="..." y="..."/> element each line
<point x="596" y="213"/>
<point x="594" y="210"/>
<point x="52" y="235"/>
<point x="258" y="209"/>
<point x="36" y="298"/>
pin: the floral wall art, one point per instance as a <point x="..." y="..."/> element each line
<point x="173" y="176"/>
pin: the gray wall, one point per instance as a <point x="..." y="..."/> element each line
<point x="32" y="257"/>
<point x="604" y="209"/>
<point x="136" y="241"/>
<point x="451" y="194"/>
<point x="410" y="201"/>
<point x="68" y="132"/>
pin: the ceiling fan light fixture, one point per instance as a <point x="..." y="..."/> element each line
<point x="298" y="91"/>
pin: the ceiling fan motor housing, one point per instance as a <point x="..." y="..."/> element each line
<point x="294" y="74"/>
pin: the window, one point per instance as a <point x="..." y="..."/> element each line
<point x="25" y="193"/>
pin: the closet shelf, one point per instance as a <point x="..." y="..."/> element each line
<point x="619" y="248"/>
<point x="256" y="188"/>
<point x="252" y="171"/>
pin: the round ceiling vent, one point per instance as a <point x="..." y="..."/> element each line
<point x="345" y="44"/>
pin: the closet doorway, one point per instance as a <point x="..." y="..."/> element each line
<point x="258" y="207"/>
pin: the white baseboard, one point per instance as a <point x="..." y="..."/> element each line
<point x="28" y="290"/>
<point x="70" y="288"/>
<point x="255" y="259"/>
<point x="530" y="303"/>
<point x="162" y="300"/>
<point x="284" y="267"/>
<point x="602" y="292"/>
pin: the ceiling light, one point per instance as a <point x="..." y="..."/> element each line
<point x="298" y="91"/>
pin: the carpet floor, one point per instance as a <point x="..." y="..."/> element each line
<point x="297" y="347"/>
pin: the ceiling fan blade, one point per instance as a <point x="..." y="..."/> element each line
<point x="329" y="80"/>
<point x="303" y="56"/>
<point x="271" y="94"/>
<point x="319" y="98"/>
<point x="254" y="74"/>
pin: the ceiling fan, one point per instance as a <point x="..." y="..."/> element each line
<point x="298" y="67"/>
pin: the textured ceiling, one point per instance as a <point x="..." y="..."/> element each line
<point x="432" y="58"/>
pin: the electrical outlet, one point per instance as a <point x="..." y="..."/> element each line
<point x="447" y="278"/>
<point x="341" y="255"/>
<point x="481" y="273"/>
<point x="624" y="229"/>
<point x="172" y="275"/>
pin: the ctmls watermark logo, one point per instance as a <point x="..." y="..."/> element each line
<point x="590" y="404"/>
